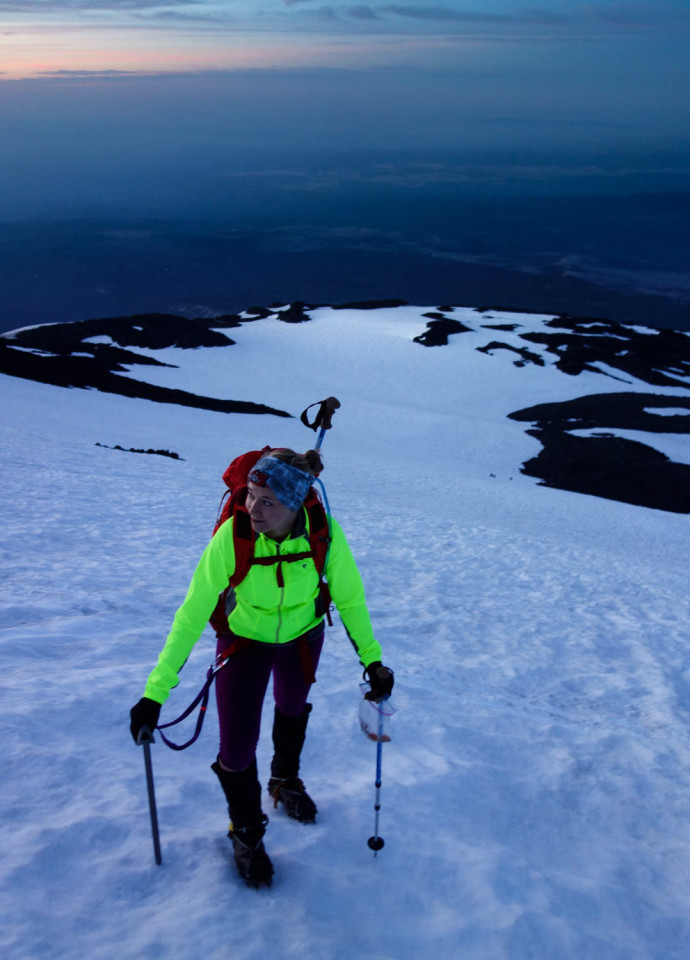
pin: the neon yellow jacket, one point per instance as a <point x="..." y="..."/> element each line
<point x="264" y="611"/>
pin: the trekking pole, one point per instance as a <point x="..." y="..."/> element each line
<point x="145" y="739"/>
<point x="322" y="419"/>
<point x="375" y="843"/>
<point x="374" y="719"/>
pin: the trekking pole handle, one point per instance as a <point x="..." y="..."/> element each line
<point x="322" y="419"/>
<point x="328" y="406"/>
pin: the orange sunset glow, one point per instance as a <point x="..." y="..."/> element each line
<point x="53" y="52"/>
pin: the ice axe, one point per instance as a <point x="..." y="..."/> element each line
<point x="145" y="739"/>
<point x="322" y="418"/>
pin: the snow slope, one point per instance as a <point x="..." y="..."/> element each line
<point x="535" y="794"/>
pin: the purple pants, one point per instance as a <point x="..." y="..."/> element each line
<point x="241" y="687"/>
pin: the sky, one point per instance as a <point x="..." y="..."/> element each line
<point x="607" y="63"/>
<point x="347" y="116"/>
<point x="147" y="89"/>
<point x="49" y="37"/>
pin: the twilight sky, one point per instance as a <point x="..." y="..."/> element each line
<point x="124" y="101"/>
<point x="44" y="37"/>
<point x="370" y="125"/>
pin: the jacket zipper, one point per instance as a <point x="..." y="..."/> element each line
<point x="281" y="597"/>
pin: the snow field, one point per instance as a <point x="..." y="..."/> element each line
<point x="534" y="799"/>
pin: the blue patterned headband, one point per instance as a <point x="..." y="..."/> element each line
<point x="289" y="483"/>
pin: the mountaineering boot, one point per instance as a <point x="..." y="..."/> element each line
<point x="247" y="823"/>
<point x="252" y="861"/>
<point x="285" y="786"/>
<point x="298" y="804"/>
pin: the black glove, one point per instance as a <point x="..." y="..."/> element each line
<point x="144" y="714"/>
<point x="380" y="680"/>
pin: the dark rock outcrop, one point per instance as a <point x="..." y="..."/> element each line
<point x="605" y="465"/>
<point x="65" y="355"/>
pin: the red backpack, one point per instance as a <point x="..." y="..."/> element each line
<point x="232" y="504"/>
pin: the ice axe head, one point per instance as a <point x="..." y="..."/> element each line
<point x="145" y="736"/>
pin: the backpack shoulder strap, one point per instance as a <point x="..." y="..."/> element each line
<point x="319" y="531"/>
<point x="320" y="542"/>
<point x="244" y="538"/>
<point x="232" y="505"/>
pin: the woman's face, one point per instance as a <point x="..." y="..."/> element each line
<point x="267" y="514"/>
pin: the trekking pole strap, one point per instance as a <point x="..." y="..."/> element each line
<point x="201" y="698"/>
<point x="238" y="643"/>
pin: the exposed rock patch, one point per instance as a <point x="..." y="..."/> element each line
<point x="605" y="465"/>
<point x="438" y="329"/>
<point x="371" y="305"/>
<point x="526" y="356"/>
<point x="158" y="453"/>
<point x="64" y="354"/>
